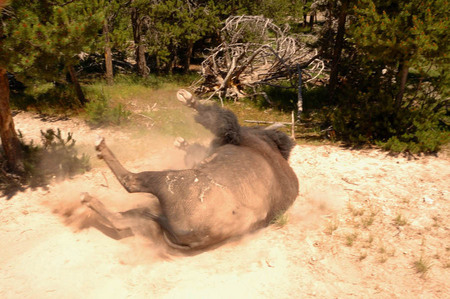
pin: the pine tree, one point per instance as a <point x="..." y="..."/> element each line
<point x="172" y="27"/>
<point x="402" y="35"/>
<point x="8" y="135"/>
<point x="338" y="45"/>
<point x="36" y="38"/>
<point x="137" y="24"/>
<point x="393" y="83"/>
<point x="115" y="32"/>
<point x="40" y="36"/>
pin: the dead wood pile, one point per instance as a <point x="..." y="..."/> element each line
<point x="254" y="51"/>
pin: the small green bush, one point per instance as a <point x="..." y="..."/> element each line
<point x="372" y="117"/>
<point x="56" y="158"/>
<point x="281" y="98"/>
<point x="99" y="111"/>
<point x="59" y="156"/>
<point x="315" y="98"/>
<point x="285" y="98"/>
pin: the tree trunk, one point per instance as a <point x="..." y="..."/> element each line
<point x="402" y="77"/>
<point x="170" y="65"/>
<point x="311" y="19"/>
<point x="337" y="50"/>
<point x="76" y="85"/>
<point x="10" y="141"/>
<point x="142" y="64"/>
<point x="187" y="59"/>
<point x="172" y="59"/>
<point x="158" y="64"/>
<point x="108" y="55"/>
<point x="304" y="13"/>
<point x="299" y="95"/>
<point x="136" y="23"/>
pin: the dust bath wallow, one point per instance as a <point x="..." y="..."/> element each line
<point x="242" y="181"/>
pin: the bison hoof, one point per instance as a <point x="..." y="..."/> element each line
<point x="186" y="98"/>
<point x="85" y="197"/>
<point x="99" y="143"/>
<point x="180" y="143"/>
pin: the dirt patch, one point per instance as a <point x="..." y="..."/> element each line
<point x="361" y="226"/>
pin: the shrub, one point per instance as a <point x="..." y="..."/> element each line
<point x="425" y="134"/>
<point x="281" y="98"/>
<point x="285" y="98"/>
<point x="99" y="111"/>
<point x="367" y="112"/>
<point x="57" y="158"/>
<point x="315" y="97"/>
<point x="46" y="97"/>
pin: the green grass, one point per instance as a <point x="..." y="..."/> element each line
<point x="280" y="220"/>
<point x="151" y="108"/>
<point x="148" y="103"/>
<point x="133" y="93"/>
<point x="177" y="121"/>
<point x="248" y="110"/>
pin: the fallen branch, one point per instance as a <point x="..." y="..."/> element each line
<point x="254" y="52"/>
<point x="267" y="122"/>
<point x="148" y="117"/>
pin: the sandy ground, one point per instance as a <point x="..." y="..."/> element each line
<point x="363" y="224"/>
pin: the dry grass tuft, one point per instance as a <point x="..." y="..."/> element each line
<point x="280" y="220"/>
<point x="400" y="220"/>
<point x="422" y="266"/>
<point x="332" y="225"/>
<point x="350" y="239"/>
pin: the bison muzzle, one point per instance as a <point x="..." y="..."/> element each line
<point x="242" y="183"/>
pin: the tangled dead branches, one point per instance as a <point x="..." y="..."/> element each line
<point x="254" y="51"/>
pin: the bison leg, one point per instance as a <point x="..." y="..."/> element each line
<point x="109" y="219"/>
<point x="128" y="179"/>
<point x="147" y="181"/>
<point x="194" y="153"/>
<point x="221" y="122"/>
<point x="121" y="224"/>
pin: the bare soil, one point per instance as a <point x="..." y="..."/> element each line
<point x="365" y="224"/>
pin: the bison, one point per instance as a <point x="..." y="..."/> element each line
<point x="237" y="185"/>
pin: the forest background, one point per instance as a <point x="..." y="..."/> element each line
<point x="384" y="80"/>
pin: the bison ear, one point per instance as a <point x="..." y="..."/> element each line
<point x="284" y="143"/>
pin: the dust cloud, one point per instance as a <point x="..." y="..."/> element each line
<point x="319" y="201"/>
<point x="144" y="237"/>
